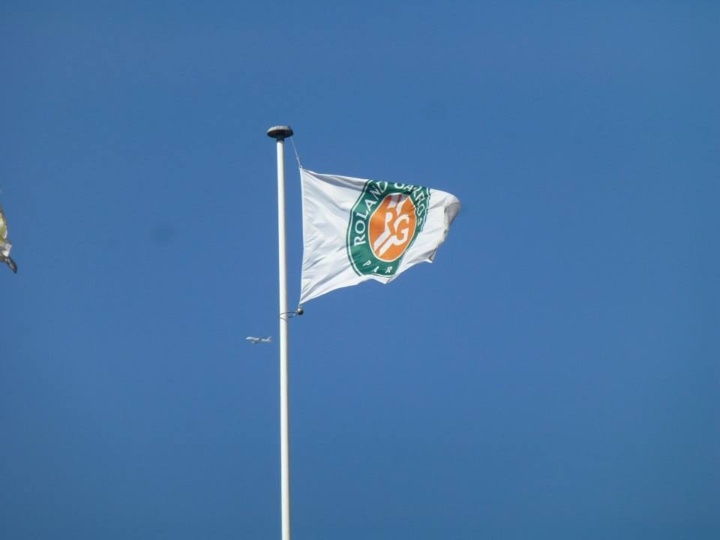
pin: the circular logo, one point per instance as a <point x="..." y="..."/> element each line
<point x="384" y="222"/>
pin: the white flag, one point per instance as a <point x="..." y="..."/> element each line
<point x="356" y="229"/>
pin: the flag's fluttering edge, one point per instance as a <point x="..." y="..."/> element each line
<point x="5" y="244"/>
<point x="356" y="229"/>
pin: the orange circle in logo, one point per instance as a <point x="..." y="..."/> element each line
<point x="392" y="227"/>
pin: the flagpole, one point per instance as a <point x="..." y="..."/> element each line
<point x="280" y="133"/>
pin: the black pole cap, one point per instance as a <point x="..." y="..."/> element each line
<point x="280" y="132"/>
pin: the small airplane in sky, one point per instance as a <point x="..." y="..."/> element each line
<point x="256" y="340"/>
<point x="5" y="245"/>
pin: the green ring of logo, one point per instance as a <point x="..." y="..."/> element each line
<point x="362" y="258"/>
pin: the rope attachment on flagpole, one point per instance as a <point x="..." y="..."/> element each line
<point x="290" y="314"/>
<point x="297" y="156"/>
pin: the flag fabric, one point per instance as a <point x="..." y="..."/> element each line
<point x="356" y="230"/>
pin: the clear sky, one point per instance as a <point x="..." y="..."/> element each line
<point x="553" y="375"/>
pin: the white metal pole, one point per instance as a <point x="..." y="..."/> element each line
<point x="280" y="133"/>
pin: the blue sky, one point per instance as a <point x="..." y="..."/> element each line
<point x="554" y="374"/>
